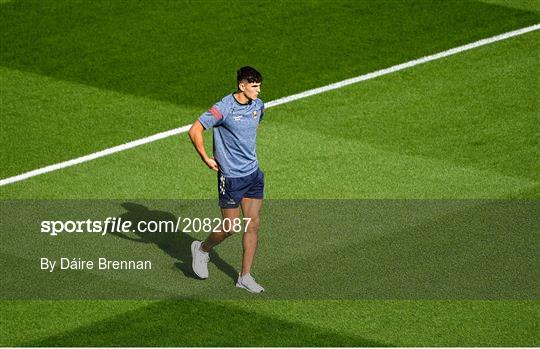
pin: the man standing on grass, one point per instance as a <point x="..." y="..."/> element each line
<point x="234" y="120"/>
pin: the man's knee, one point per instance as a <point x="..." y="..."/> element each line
<point x="228" y="226"/>
<point x="253" y="225"/>
<point x="227" y="232"/>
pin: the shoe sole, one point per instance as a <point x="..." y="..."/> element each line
<point x="193" y="261"/>
<point x="245" y="288"/>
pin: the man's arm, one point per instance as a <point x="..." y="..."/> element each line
<point x="196" y="135"/>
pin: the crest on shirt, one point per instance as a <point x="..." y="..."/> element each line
<point x="254" y="114"/>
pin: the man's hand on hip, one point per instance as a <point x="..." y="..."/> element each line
<point x="212" y="164"/>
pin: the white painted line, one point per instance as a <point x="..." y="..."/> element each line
<point x="402" y="66"/>
<point x="93" y="156"/>
<point x="274" y="103"/>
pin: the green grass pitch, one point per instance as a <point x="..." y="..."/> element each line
<point x="77" y="77"/>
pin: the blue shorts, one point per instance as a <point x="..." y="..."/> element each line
<point x="233" y="190"/>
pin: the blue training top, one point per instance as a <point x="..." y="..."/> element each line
<point x="235" y="134"/>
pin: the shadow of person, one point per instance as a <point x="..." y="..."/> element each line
<point x="176" y="244"/>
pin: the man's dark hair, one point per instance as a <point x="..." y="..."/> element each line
<point x="248" y="74"/>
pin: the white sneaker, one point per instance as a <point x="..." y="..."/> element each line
<point x="199" y="260"/>
<point x="248" y="282"/>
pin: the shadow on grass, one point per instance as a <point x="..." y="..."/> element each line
<point x="197" y="323"/>
<point x="176" y="244"/>
<point x="187" y="52"/>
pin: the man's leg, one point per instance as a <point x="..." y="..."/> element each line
<point x="251" y="209"/>
<point x="215" y="238"/>
<point x="199" y="250"/>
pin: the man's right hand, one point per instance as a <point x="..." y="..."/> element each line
<point x="212" y="164"/>
<point x="196" y="135"/>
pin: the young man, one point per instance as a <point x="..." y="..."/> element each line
<point x="234" y="120"/>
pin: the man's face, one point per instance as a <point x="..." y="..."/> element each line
<point x="251" y="89"/>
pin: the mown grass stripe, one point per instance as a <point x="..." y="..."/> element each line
<point x="274" y="103"/>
